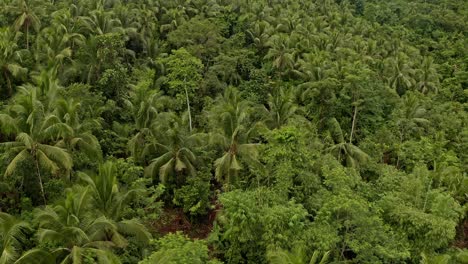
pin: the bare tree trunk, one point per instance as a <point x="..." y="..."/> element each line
<point x="10" y="88"/>
<point x="353" y="124"/>
<point x="40" y="179"/>
<point x="188" y="106"/>
<point x="27" y="36"/>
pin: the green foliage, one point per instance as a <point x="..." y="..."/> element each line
<point x="178" y="248"/>
<point x="183" y="76"/>
<point x="194" y="196"/>
<point x="251" y="221"/>
<point x="266" y="130"/>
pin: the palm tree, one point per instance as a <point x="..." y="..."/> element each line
<point x="427" y="76"/>
<point x="13" y="234"/>
<point x="10" y="58"/>
<point x="173" y="144"/>
<point x="54" y="46"/>
<point x="233" y="129"/>
<point x="100" y="22"/>
<point x="27" y="18"/>
<point x="77" y="232"/>
<point x="280" y="109"/>
<point x="77" y="134"/>
<point x="345" y="152"/>
<point x="410" y="116"/>
<point x="260" y="33"/>
<point x="401" y="78"/>
<point x="34" y="129"/>
<point x="172" y="18"/>
<point x="144" y="105"/>
<point x="281" y="53"/>
<point x="108" y="198"/>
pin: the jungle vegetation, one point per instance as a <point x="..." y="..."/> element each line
<point x="233" y="131"/>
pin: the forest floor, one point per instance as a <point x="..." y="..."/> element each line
<point x="174" y="219"/>
<point x="462" y="235"/>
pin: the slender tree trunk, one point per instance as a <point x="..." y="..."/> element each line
<point x="188" y="106"/>
<point x="398" y="155"/>
<point x="38" y="171"/>
<point x="27" y="36"/>
<point x="155" y="78"/>
<point x="353" y="124"/>
<point x="10" y="88"/>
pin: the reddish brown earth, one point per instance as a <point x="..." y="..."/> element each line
<point x="174" y="219"/>
<point x="462" y="235"/>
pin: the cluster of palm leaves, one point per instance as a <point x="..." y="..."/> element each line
<point x="87" y="224"/>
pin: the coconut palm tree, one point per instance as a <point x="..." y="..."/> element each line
<point x="233" y="127"/>
<point x="10" y="58"/>
<point x="280" y="108"/>
<point x="33" y="129"/>
<point x="282" y="55"/>
<point x="105" y="192"/>
<point x="100" y="22"/>
<point x="402" y="73"/>
<point x="259" y="34"/>
<point x="172" y="144"/>
<point x="345" y="152"/>
<point x="26" y="19"/>
<point x="144" y="106"/>
<point x="427" y="76"/>
<point x="77" y="232"/>
<point x="77" y="135"/>
<point x="54" y="46"/>
<point x="13" y="234"/>
<point x="110" y="200"/>
<point x="410" y="117"/>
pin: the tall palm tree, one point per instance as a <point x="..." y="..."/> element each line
<point x="410" y="116"/>
<point x="108" y="198"/>
<point x="172" y="18"/>
<point x="233" y="128"/>
<point x="281" y="54"/>
<point x="54" y="46"/>
<point x="76" y="231"/>
<point x="260" y="33"/>
<point x="402" y="73"/>
<point x="100" y="22"/>
<point x="10" y="58"/>
<point x="345" y="152"/>
<point x="173" y="145"/>
<point x="33" y="129"/>
<point x="280" y="108"/>
<point x="77" y="135"/>
<point x="427" y="76"/>
<point x="13" y="234"/>
<point x="144" y="106"/>
<point x="26" y="19"/>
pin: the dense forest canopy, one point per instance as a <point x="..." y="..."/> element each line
<point x="233" y="131"/>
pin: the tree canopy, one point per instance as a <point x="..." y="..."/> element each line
<point x="247" y="131"/>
